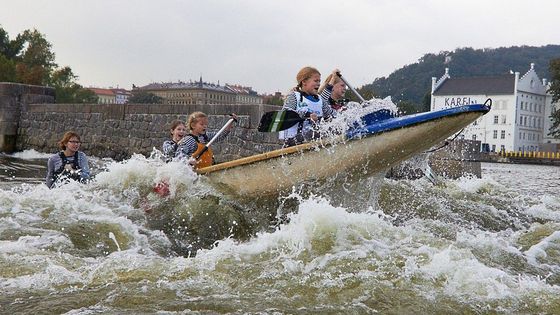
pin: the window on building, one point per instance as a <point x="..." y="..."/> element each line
<point x="495" y="119"/>
<point x="503" y="134"/>
<point x="525" y="121"/>
<point x="522" y="105"/>
<point x="495" y="134"/>
<point x="493" y="148"/>
<point x="504" y="119"/>
<point x="503" y="148"/>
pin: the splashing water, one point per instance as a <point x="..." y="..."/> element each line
<point x="378" y="245"/>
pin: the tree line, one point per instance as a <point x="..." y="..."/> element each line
<point x="29" y="59"/>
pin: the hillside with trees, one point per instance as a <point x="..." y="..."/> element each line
<point x="410" y="86"/>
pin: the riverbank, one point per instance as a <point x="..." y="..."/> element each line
<point x="535" y="158"/>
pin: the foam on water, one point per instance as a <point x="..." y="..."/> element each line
<point x="462" y="245"/>
<point x="30" y="155"/>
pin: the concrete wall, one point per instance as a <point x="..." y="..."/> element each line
<point x="118" y="131"/>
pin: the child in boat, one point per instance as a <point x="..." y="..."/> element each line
<point x="69" y="162"/>
<point x="197" y="138"/>
<point x="337" y="91"/>
<point x="304" y="99"/>
<point x="170" y="146"/>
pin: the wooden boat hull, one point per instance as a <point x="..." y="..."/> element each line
<point x="360" y="153"/>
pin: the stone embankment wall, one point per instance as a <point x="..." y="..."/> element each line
<point x="14" y="99"/>
<point x="457" y="158"/>
<point x="118" y="131"/>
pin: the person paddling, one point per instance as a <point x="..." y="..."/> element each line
<point x="334" y="89"/>
<point x="69" y="162"/>
<point x="197" y="138"/>
<point x="304" y="99"/>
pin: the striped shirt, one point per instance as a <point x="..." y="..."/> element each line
<point x="188" y="145"/>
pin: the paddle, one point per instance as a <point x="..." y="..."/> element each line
<point x="350" y="87"/>
<point x="278" y="120"/>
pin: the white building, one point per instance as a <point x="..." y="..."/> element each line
<point x="520" y="116"/>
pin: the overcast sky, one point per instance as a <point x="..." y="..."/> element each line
<point x="263" y="43"/>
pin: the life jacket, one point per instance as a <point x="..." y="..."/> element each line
<point x="75" y="165"/>
<point x="207" y="158"/>
<point x="312" y="105"/>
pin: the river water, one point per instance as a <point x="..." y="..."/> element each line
<point x="467" y="246"/>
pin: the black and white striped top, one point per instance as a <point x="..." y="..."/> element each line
<point x="188" y="145"/>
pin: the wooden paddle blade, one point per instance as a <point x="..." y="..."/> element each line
<point x="203" y="156"/>
<point x="278" y="120"/>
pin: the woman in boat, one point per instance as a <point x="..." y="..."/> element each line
<point x="305" y="100"/>
<point x="69" y="163"/>
<point x="194" y="142"/>
<point x="170" y="146"/>
<point x="337" y="91"/>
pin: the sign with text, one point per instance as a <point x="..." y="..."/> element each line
<point x="459" y="101"/>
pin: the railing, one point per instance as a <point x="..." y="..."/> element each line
<point x="530" y="154"/>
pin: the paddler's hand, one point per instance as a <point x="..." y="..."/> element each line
<point x="191" y="161"/>
<point x="314" y="118"/>
<point x="234" y="117"/>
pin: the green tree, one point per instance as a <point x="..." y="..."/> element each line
<point x="143" y="97"/>
<point x="365" y="93"/>
<point x="9" y="49"/>
<point x="426" y="102"/>
<point x="35" y="63"/>
<point x="407" y="108"/>
<point x="554" y="89"/>
<point x="67" y="90"/>
<point x="7" y="69"/>
<point x="29" y="59"/>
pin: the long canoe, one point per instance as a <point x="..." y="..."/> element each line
<point x="360" y="152"/>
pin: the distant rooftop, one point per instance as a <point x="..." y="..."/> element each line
<point x="241" y="89"/>
<point x="99" y="91"/>
<point x="185" y="85"/>
<point x="496" y="85"/>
